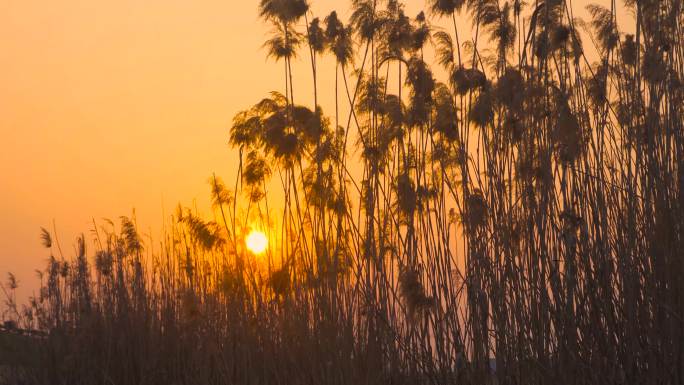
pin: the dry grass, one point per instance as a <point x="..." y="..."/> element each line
<point x="525" y="213"/>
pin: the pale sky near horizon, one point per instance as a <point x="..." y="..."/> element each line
<point x="106" y="106"/>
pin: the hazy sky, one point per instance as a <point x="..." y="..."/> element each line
<point x="106" y="106"/>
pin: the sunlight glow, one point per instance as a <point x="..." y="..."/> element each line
<point x="256" y="242"/>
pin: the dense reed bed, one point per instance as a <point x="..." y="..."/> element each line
<point x="511" y="213"/>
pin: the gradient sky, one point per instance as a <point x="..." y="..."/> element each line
<point x="106" y="106"/>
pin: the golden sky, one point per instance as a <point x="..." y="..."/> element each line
<point x="106" y="106"/>
<point x="109" y="106"/>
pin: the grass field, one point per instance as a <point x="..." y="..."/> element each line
<point x="492" y="208"/>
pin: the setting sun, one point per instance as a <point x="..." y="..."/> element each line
<point x="256" y="242"/>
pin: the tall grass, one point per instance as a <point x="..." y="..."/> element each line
<point x="518" y="221"/>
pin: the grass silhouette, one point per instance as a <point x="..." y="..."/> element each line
<point x="519" y="221"/>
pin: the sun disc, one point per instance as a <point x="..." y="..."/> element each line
<point x="256" y="242"/>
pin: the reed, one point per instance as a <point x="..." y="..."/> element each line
<point x="509" y="214"/>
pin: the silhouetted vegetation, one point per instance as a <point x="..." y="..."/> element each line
<point x="510" y="214"/>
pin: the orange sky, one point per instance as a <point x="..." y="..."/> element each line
<point x="107" y="106"/>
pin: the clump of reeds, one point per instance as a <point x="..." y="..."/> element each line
<point x="512" y="214"/>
